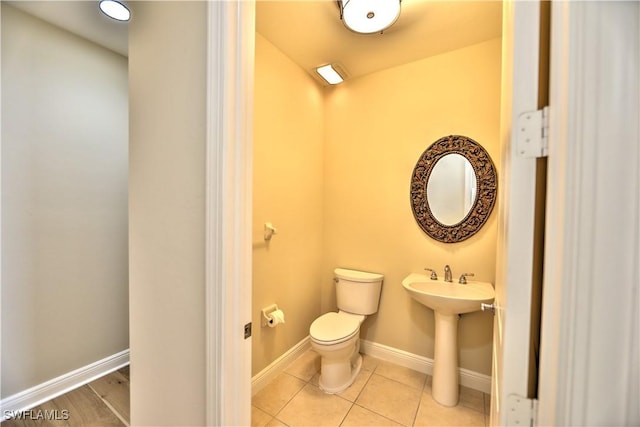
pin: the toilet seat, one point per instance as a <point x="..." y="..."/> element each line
<point x="334" y="328"/>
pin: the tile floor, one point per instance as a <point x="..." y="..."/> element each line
<point x="383" y="394"/>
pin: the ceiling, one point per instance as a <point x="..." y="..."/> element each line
<point x="82" y="18"/>
<point x="311" y="33"/>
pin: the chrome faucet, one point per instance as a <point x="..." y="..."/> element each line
<point x="447" y="273"/>
<point x="463" y="278"/>
<point x="434" y="276"/>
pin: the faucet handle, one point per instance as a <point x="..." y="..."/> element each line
<point x="434" y="276"/>
<point x="463" y="278"/>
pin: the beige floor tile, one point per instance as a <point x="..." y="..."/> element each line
<point x="359" y="416"/>
<point x="352" y="393"/>
<point x="472" y="399"/>
<point x="430" y="413"/>
<point x="313" y="407"/>
<point x="401" y="374"/>
<point x="305" y="366"/>
<point x="259" y="418"/>
<point x="277" y="393"/>
<point x="370" y="363"/>
<point x="390" y="399"/>
<point x="276" y="423"/>
<point x="315" y="379"/>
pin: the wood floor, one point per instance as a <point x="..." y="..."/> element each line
<point x="101" y="403"/>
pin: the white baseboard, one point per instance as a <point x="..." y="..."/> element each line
<point x="55" y="387"/>
<point x="423" y="364"/>
<point x="262" y="378"/>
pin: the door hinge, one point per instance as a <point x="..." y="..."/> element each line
<point x="521" y="411"/>
<point x="247" y="330"/>
<point x="533" y="133"/>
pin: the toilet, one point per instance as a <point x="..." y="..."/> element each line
<point x="336" y="336"/>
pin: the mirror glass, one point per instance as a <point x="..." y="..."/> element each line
<point x="451" y="189"/>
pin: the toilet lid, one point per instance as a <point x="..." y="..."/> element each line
<point x="334" y="327"/>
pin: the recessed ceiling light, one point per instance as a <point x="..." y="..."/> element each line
<point x="115" y="10"/>
<point x="330" y="75"/>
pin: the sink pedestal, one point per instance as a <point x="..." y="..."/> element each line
<point x="444" y="388"/>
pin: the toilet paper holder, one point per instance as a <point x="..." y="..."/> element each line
<point x="266" y="312"/>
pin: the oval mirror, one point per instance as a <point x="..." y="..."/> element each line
<point x="453" y="189"/>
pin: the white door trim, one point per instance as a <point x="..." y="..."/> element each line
<point x="231" y="35"/>
<point x="590" y="321"/>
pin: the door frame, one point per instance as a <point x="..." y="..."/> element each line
<point x="231" y="46"/>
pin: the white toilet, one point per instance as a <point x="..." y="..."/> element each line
<point x="336" y="336"/>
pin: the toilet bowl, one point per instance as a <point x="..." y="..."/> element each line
<point x="336" y="336"/>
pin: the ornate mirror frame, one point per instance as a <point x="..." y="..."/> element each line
<point x="486" y="188"/>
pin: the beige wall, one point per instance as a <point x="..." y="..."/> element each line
<point x="64" y="202"/>
<point x="374" y="128"/>
<point x="167" y="73"/>
<point x="287" y="189"/>
<point x="377" y="127"/>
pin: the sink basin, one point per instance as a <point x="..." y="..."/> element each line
<point x="448" y="298"/>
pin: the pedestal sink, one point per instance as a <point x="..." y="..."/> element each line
<point x="447" y="300"/>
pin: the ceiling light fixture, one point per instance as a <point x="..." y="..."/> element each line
<point x="369" y="16"/>
<point x="329" y="74"/>
<point x="115" y="10"/>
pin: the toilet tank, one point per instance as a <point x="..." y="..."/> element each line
<point x="357" y="292"/>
